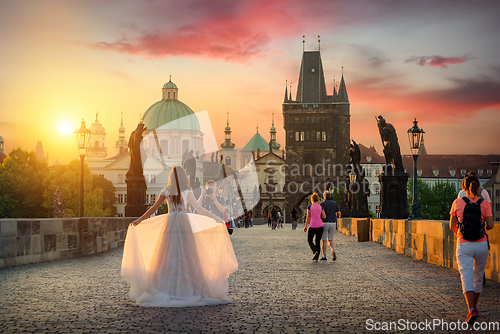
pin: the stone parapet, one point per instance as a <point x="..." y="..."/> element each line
<point x="26" y="241"/>
<point x="431" y="241"/>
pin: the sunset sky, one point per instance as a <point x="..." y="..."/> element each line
<point x="61" y="61"/>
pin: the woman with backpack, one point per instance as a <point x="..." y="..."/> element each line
<point x="470" y="216"/>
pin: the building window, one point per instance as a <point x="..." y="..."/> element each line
<point x="152" y="198"/>
<point x="497" y="219"/>
<point x="497" y="192"/>
<point x="377" y="190"/>
<point x="147" y="198"/>
<point x="323" y="135"/>
<point x="124" y="198"/>
<point x="168" y="95"/>
<point x="318" y="136"/>
<point x="462" y="172"/>
<point x="120" y="215"/>
<point x="173" y="95"/>
<point x="297" y="136"/>
<point x="120" y="178"/>
<point x="479" y="172"/>
<point x="302" y="137"/>
<point x="120" y="198"/>
<point x="376" y="172"/>
<point x="368" y="172"/>
<point x="497" y="206"/>
<point x="489" y="172"/>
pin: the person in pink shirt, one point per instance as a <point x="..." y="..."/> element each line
<point x="471" y="255"/>
<point x="315" y="214"/>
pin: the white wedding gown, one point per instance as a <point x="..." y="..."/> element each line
<point x="178" y="259"/>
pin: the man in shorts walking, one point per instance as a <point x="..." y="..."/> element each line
<point x="332" y="211"/>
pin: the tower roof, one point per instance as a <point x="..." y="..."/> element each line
<point x="342" y="96"/>
<point x="97" y="127"/>
<point x="311" y="87"/>
<point x="166" y="111"/>
<point x="170" y="84"/>
<point x="257" y="143"/>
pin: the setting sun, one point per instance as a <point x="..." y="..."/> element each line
<point x="65" y="127"/>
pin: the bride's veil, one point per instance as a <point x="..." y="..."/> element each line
<point x="189" y="141"/>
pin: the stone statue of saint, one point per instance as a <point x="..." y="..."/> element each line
<point x="189" y="164"/>
<point x="136" y="157"/>
<point x="390" y="142"/>
<point x="355" y="157"/>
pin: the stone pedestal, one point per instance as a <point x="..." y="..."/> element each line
<point x="360" y="190"/>
<point x="136" y="196"/>
<point x="393" y="194"/>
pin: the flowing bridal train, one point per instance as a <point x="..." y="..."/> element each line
<point x="178" y="259"/>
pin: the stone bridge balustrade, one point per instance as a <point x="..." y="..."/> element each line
<point x="26" y="241"/>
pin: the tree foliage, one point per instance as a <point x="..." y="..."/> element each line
<point x="66" y="178"/>
<point x="435" y="201"/>
<point x="108" y="194"/>
<point x="21" y="185"/>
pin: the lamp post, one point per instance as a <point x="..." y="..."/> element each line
<point x="415" y="135"/>
<point x="82" y="141"/>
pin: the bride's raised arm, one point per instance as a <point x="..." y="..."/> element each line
<point x="151" y="210"/>
<point x="201" y="209"/>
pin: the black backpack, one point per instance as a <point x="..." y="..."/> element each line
<point x="471" y="227"/>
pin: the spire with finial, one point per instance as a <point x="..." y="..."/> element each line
<point x="319" y="44"/>
<point x="303" y="42"/>
<point x="290" y="91"/>
<point x="273" y="144"/>
<point x="334" y="90"/>
<point x="286" y="92"/>
<point x="342" y="96"/>
<point x="227" y="135"/>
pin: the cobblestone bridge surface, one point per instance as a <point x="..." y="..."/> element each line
<point x="277" y="289"/>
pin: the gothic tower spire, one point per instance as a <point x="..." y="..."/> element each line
<point x="227" y="135"/>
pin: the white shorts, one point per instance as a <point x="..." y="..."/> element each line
<point x="471" y="260"/>
<point x="328" y="229"/>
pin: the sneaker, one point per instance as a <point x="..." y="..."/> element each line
<point x="323" y="259"/>
<point x="334" y="256"/>
<point x="316" y="256"/>
<point x="472" y="316"/>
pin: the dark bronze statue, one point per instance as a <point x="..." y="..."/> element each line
<point x="390" y="142"/>
<point x="136" y="155"/>
<point x="355" y="157"/>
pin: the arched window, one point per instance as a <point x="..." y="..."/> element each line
<point x="173" y="95"/>
<point x="169" y="95"/>
<point x="96" y="144"/>
<point x="228" y="161"/>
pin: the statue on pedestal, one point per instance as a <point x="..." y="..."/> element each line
<point x="390" y="142"/>
<point x="136" y="156"/>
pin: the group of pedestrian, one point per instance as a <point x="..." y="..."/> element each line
<point x="471" y="215"/>
<point x="275" y="218"/>
<point x="322" y="221"/>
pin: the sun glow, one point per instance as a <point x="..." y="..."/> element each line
<point x="65" y="127"/>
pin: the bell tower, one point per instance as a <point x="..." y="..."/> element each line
<point x="317" y="132"/>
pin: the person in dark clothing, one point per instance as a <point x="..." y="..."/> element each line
<point x="332" y="211"/>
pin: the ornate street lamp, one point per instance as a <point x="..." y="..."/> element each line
<point x="82" y="141"/>
<point x="415" y="135"/>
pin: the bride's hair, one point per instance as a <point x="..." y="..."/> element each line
<point x="177" y="174"/>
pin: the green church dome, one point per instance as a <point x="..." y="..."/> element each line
<point x="166" y="111"/>
<point x="256" y="143"/>
<point x="170" y="84"/>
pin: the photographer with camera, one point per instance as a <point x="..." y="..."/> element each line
<point x="213" y="202"/>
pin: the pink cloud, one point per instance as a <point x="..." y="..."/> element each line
<point x="464" y="100"/>
<point x="440" y="61"/>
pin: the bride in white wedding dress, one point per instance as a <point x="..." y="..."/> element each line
<point x="178" y="259"/>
